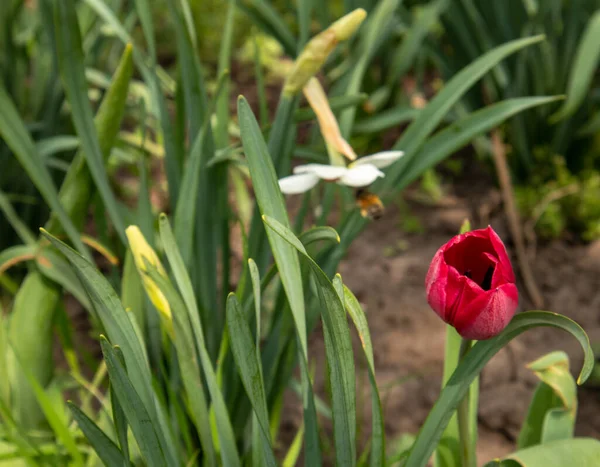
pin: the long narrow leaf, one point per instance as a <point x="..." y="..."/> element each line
<point x="70" y="57"/>
<point x="471" y="366"/>
<point x="14" y="133"/>
<point x="107" y="451"/>
<point x="120" y="330"/>
<point x="338" y="347"/>
<point x="249" y="366"/>
<point x="137" y="415"/>
<point x="378" y="431"/>
<point x="431" y="116"/>
<point x="583" y="69"/>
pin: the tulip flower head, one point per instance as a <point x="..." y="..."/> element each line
<point x="471" y="284"/>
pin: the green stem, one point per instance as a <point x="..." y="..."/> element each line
<point x="466" y="450"/>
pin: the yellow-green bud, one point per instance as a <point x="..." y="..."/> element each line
<point x="314" y="54"/>
<point x="142" y="250"/>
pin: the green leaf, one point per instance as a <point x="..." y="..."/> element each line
<point x="471" y="366"/>
<point x="70" y="58"/>
<point x="378" y="429"/>
<point x="582" y="70"/>
<point x="460" y="133"/>
<point x="15" y="221"/>
<point x="386" y="119"/>
<point x="338" y="349"/>
<point x="120" y="330"/>
<point x="145" y="13"/>
<point x="48" y="400"/>
<point x="185" y="211"/>
<point x="552" y="411"/>
<point x="16" y="137"/>
<point x="271" y="203"/>
<point x="107" y="451"/>
<point x="119" y="417"/>
<point x="142" y="425"/>
<point x="431" y="116"/>
<point x="265" y="16"/>
<point x="580" y="452"/>
<point x="56" y="144"/>
<point x="192" y="379"/>
<point x="31" y="338"/>
<point x="316" y="234"/>
<point x="76" y="190"/>
<point x="224" y="428"/>
<point x="377" y="23"/>
<point x="55" y="268"/>
<point x="249" y="367"/>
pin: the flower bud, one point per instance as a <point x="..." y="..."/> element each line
<point x="142" y="251"/>
<point x="471" y="284"/>
<point x="314" y="54"/>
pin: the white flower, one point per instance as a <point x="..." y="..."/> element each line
<point x="359" y="173"/>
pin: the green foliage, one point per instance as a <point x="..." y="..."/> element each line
<point x="566" y="62"/>
<point x="193" y="373"/>
<point x="566" y="201"/>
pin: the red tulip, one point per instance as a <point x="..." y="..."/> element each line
<point x="471" y="285"/>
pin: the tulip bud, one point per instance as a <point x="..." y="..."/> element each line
<point x="471" y="284"/>
<point x="314" y="54"/>
<point x="142" y="251"/>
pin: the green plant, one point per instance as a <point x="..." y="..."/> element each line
<point x="565" y="62"/>
<point x="196" y="372"/>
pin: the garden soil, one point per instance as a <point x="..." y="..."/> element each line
<point x="386" y="267"/>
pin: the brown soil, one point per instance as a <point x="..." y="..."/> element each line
<point x="386" y="268"/>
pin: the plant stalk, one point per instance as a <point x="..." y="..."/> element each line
<point x="466" y="449"/>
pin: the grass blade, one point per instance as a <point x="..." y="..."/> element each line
<point x="14" y="133"/>
<point x="119" y="417"/>
<point x="582" y="70"/>
<point x="431" y="116"/>
<point x="338" y="348"/>
<point x="249" y="367"/>
<point x="452" y="138"/>
<point x="378" y="430"/>
<point x="142" y="426"/>
<point x="107" y="451"/>
<point x="187" y="354"/>
<point x="70" y="58"/>
<point x="120" y="330"/>
<point x="271" y="203"/>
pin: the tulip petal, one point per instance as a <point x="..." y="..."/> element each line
<point x="326" y="172"/>
<point x="361" y="175"/>
<point x="295" y="184"/>
<point x="488" y="314"/>
<point x="500" y="249"/>
<point x="380" y="160"/>
<point x="435" y="284"/>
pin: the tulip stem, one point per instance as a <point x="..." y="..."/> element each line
<point x="466" y="449"/>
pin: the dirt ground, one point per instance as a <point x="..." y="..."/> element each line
<point x="386" y="269"/>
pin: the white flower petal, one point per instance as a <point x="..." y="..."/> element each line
<point x="295" y="184"/>
<point x="326" y="172"/>
<point x="361" y="175"/>
<point x="380" y="159"/>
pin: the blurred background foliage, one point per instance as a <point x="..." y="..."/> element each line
<point x="169" y="140"/>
